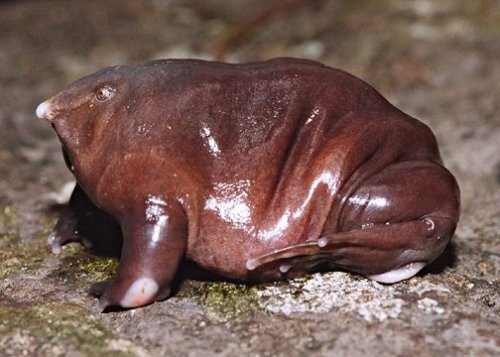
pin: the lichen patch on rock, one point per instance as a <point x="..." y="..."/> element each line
<point x="320" y="293"/>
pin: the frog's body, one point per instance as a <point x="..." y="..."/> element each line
<point x="254" y="171"/>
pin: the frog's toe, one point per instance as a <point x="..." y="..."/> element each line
<point x="57" y="239"/>
<point x="55" y="242"/>
<point x="286" y="257"/>
<point x="105" y="299"/>
<point x="113" y="293"/>
<point x="396" y="275"/>
<point x="64" y="232"/>
<point x="141" y="292"/>
<point x="98" y="289"/>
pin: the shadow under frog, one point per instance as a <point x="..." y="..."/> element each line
<point x="256" y="172"/>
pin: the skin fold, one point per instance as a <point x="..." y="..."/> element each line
<point x="257" y="172"/>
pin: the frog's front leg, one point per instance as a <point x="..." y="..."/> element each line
<point x="155" y="241"/>
<point x="81" y="221"/>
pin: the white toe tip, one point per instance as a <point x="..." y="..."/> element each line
<point x="322" y="242"/>
<point x="141" y="292"/>
<point x="251" y="264"/>
<point x="403" y="273"/>
<point x="55" y="246"/>
<point x="285" y="268"/>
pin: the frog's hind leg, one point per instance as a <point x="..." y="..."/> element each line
<point x="392" y="226"/>
<point x="382" y="252"/>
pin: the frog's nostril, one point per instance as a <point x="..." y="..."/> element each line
<point x="44" y="111"/>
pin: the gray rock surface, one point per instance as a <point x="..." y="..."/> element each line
<point x="436" y="60"/>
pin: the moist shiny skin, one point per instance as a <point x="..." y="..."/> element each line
<point x="257" y="172"/>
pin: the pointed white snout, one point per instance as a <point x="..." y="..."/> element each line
<point x="44" y="111"/>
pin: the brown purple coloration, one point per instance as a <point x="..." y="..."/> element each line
<point x="255" y="171"/>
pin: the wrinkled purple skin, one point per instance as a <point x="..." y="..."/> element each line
<point x="257" y="172"/>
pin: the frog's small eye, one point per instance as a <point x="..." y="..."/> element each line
<point x="104" y="93"/>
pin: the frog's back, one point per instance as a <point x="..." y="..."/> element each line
<point x="279" y="140"/>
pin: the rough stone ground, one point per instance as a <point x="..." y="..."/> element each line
<point x="437" y="60"/>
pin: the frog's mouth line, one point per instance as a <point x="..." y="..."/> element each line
<point x="67" y="160"/>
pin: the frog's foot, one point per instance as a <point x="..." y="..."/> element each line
<point x="142" y="291"/>
<point x="386" y="253"/>
<point x="56" y="242"/>
<point x="64" y="232"/>
<point x="81" y="221"/>
<point x="398" y="274"/>
<point x="289" y="258"/>
<point x="74" y="216"/>
<point x="153" y="247"/>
